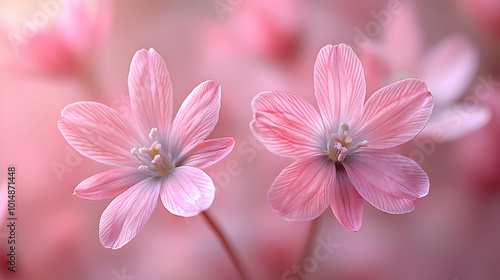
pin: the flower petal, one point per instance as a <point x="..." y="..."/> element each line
<point x="208" y="152"/>
<point x="304" y="189"/>
<point x="390" y="182"/>
<point x="403" y="39"/>
<point x="347" y="204"/>
<point x="287" y="125"/>
<point x="455" y="122"/>
<point x="394" y="114"/>
<point x="127" y="214"/>
<point x="340" y="86"/>
<point x="98" y="132"/>
<point x="150" y="91"/>
<point x="196" y="118"/>
<point x="85" y="26"/>
<point x="187" y="191"/>
<point x="109" y="184"/>
<point x="449" y="68"/>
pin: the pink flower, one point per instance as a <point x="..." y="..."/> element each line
<point x="485" y="12"/>
<point x="153" y="156"/>
<point x="337" y="152"/>
<point x="448" y="68"/>
<point x="257" y="28"/>
<point x="72" y="41"/>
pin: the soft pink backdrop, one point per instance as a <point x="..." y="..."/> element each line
<point x="255" y="45"/>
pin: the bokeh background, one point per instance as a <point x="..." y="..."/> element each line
<point x="55" y="52"/>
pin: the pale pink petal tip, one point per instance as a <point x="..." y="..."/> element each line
<point x="339" y="85"/>
<point x="196" y="117"/>
<point x="108" y="184"/>
<point x="150" y="89"/>
<point x="209" y="152"/>
<point x="127" y="214"/>
<point x="187" y="191"/>
<point x="395" y="114"/>
<point x="390" y="182"/>
<point x="451" y="124"/>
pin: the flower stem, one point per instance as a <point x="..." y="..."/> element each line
<point x="227" y="246"/>
<point x="311" y="238"/>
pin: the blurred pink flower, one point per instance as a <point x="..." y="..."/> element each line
<point x="338" y="160"/>
<point x="448" y="69"/>
<point x="485" y="12"/>
<point x="169" y="165"/>
<point x="71" y="42"/>
<point x="258" y="28"/>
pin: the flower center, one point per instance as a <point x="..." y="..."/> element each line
<point x="153" y="159"/>
<point x="341" y="143"/>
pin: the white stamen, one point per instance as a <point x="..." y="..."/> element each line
<point x="363" y="143"/>
<point x="157" y="159"/>
<point x="335" y="150"/>
<point x="156" y="146"/>
<point x="153" y="133"/>
<point x="133" y="151"/>
<point x="143" y="168"/>
<point x="144" y="150"/>
<point x="344" y="126"/>
<point x="342" y="154"/>
<point x="338" y="146"/>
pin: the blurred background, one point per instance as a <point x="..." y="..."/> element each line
<point x="55" y="52"/>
